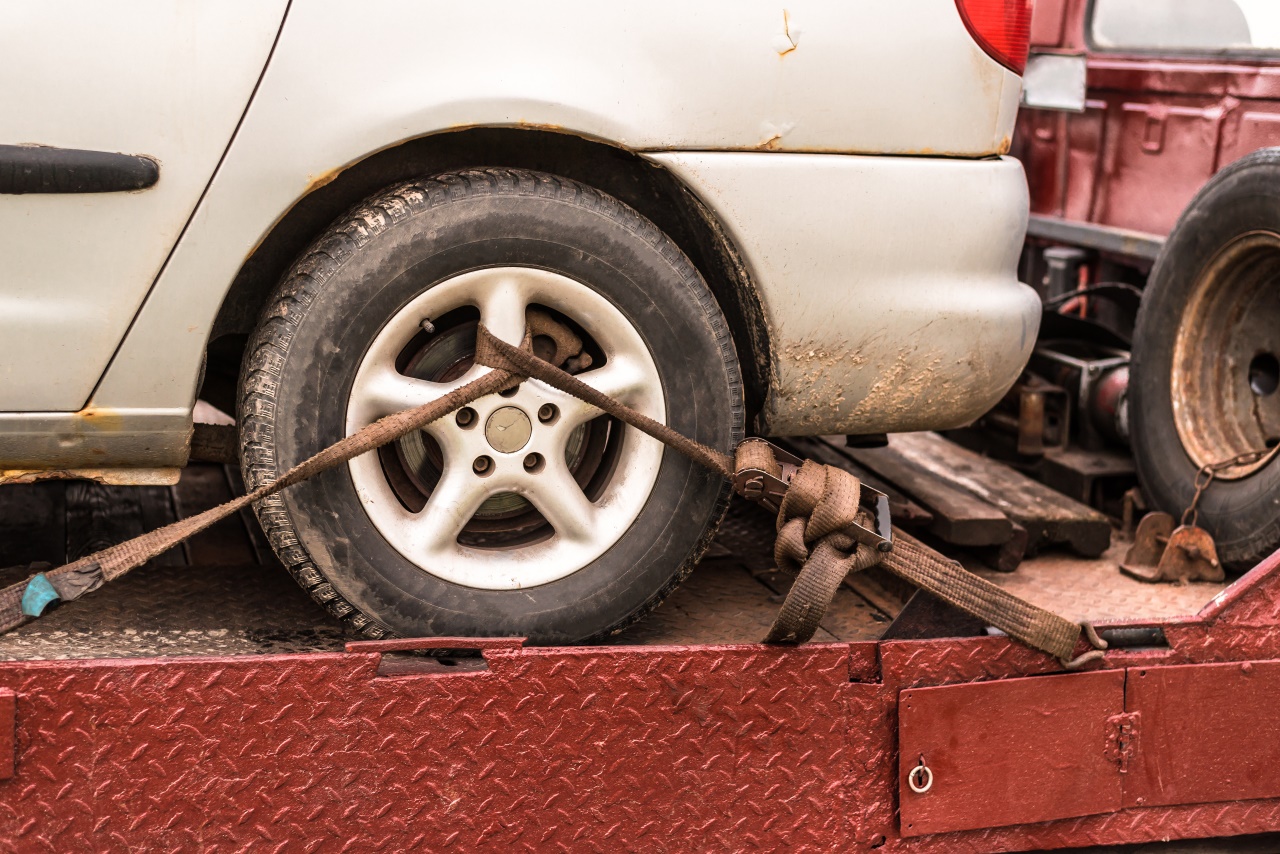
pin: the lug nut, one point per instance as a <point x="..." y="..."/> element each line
<point x="547" y="413"/>
<point x="482" y="466"/>
<point x="533" y="463"/>
<point x="466" y="417"/>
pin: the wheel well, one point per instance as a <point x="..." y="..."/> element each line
<point x="650" y="189"/>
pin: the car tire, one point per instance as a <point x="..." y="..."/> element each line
<point x="1204" y="371"/>
<point x="575" y="250"/>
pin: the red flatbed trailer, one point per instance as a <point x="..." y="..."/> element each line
<point x="689" y="746"/>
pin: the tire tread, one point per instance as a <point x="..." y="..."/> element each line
<point x="268" y="349"/>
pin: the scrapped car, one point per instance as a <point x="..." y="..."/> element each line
<point x="788" y="220"/>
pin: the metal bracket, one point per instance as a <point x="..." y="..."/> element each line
<point x="768" y="491"/>
<point x="1163" y="552"/>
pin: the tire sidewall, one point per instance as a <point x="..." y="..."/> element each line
<point x="636" y="270"/>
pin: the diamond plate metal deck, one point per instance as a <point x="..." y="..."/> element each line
<point x="1095" y="590"/>
<point x="668" y="740"/>
<point x="180" y="609"/>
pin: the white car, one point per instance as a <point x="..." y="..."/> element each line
<point x="785" y="220"/>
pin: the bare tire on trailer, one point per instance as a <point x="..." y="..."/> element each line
<point x="1206" y="360"/>
<point x="527" y="514"/>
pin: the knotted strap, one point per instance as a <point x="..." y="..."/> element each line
<point x="820" y="502"/>
<point x="820" y="505"/>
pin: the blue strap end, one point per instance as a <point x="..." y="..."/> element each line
<point x="37" y="596"/>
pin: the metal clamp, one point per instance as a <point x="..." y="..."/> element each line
<point x="768" y="491"/>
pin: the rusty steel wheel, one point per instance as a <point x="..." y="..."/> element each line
<point x="1206" y="361"/>
<point x="1226" y="373"/>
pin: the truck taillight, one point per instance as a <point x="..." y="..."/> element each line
<point x="1001" y="27"/>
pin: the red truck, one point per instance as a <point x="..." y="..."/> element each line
<point x="1156" y="219"/>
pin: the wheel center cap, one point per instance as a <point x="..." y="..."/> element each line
<point x="508" y="429"/>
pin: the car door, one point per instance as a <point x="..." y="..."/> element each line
<point x="132" y="104"/>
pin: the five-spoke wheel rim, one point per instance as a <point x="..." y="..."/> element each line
<point x="508" y="452"/>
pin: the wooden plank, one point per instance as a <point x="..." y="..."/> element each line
<point x="99" y="516"/>
<point x="1048" y="515"/>
<point x="904" y="511"/>
<point x="960" y="517"/>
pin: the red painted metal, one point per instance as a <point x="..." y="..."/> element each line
<point x="665" y="748"/>
<point x="1017" y="751"/>
<point x="1156" y="127"/>
<point x="1207" y="733"/>
<point x="8" y="708"/>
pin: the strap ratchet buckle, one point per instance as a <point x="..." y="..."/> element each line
<point x="768" y="491"/>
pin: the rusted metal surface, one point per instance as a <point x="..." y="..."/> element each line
<point x="1227" y="328"/>
<point x="1162" y="550"/>
<point x="743" y="747"/>
<point x="8" y="706"/>
<point x="97" y="443"/>
<point x="107" y="476"/>
<point x="547" y="749"/>
<point x="1035" y="412"/>
<point x="215" y="596"/>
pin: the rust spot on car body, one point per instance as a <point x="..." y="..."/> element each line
<point x="315" y="182"/>
<point x="107" y="476"/>
<point x="792" y="39"/>
<point x="95" y="419"/>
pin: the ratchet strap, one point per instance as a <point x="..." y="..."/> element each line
<point x="819" y="535"/>
<point x="828" y="523"/>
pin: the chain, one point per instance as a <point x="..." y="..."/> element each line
<point x="1209" y="471"/>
